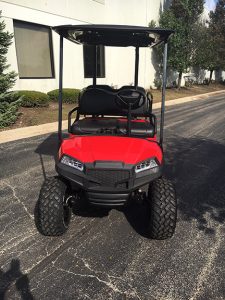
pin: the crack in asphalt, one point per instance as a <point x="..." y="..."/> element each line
<point x="9" y="225"/>
<point x="61" y="245"/>
<point x="97" y="274"/>
<point x="4" y="248"/>
<point x="13" y="189"/>
<point x="206" y="270"/>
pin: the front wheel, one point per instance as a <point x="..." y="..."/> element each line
<point x="162" y="205"/>
<point x="53" y="211"/>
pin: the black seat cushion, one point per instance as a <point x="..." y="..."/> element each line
<point x="111" y="126"/>
<point x="139" y="129"/>
<point x="94" y="126"/>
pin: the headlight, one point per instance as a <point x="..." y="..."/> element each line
<point x="69" y="161"/>
<point x="146" y="165"/>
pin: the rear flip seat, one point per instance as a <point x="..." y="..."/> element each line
<point x="100" y="100"/>
<point x="111" y="126"/>
<point x="139" y="129"/>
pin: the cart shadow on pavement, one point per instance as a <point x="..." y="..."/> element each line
<point x="137" y="216"/>
<point x="14" y="276"/>
<point x="196" y="167"/>
<point x="81" y="208"/>
<point x="48" y="147"/>
<point x="90" y="211"/>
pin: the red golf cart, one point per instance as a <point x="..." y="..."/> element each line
<point x="112" y="150"/>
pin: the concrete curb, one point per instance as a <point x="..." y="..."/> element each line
<point x="27" y="132"/>
<point x="189" y="99"/>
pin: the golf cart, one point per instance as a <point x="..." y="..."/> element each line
<point x="112" y="150"/>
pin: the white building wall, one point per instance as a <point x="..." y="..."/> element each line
<point x="119" y="62"/>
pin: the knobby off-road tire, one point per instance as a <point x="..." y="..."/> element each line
<point x="53" y="215"/>
<point x="163" y="209"/>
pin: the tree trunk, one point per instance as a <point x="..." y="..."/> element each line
<point x="210" y="76"/>
<point x="179" y="79"/>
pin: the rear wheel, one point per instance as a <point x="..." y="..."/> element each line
<point x="162" y="204"/>
<point x="53" y="210"/>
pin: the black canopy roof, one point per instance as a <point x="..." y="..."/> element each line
<point x="114" y="35"/>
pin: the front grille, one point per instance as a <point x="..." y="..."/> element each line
<point x="108" y="178"/>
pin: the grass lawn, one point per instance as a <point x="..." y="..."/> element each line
<point x="185" y="92"/>
<point x="40" y="115"/>
<point x="37" y="116"/>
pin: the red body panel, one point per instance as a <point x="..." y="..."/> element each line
<point x="129" y="150"/>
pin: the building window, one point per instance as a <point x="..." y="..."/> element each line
<point x="89" y="61"/>
<point x="34" y="50"/>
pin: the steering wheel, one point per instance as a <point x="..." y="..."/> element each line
<point x="132" y="98"/>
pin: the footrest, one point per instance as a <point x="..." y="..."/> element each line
<point x="103" y="199"/>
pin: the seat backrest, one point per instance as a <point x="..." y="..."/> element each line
<point x="98" y="101"/>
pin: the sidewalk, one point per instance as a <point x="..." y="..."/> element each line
<point x="27" y="132"/>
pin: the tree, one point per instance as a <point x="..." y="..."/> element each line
<point x="9" y="102"/>
<point x="204" y="48"/>
<point x="208" y="40"/>
<point x="216" y="35"/>
<point x="181" y="16"/>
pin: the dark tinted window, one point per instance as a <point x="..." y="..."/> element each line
<point x="89" y="61"/>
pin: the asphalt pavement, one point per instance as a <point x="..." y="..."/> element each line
<point x="106" y="254"/>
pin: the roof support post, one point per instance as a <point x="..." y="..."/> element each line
<point x="163" y="92"/>
<point x="136" y="66"/>
<point x="95" y="65"/>
<point x="60" y="90"/>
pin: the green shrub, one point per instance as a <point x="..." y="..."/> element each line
<point x="33" y="99"/>
<point x="9" y="104"/>
<point x="69" y="95"/>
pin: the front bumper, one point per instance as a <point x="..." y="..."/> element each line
<point x="107" y="183"/>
